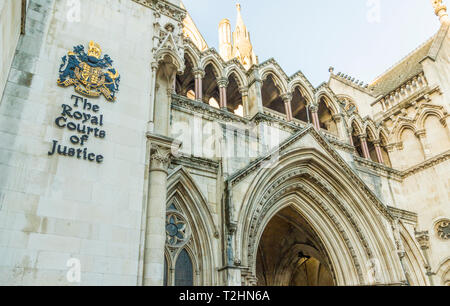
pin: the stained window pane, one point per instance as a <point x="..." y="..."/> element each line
<point x="165" y="271"/>
<point x="184" y="275"/>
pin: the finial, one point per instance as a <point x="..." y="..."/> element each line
<point x="441" y="11"/>
<point x="238" y="7"/>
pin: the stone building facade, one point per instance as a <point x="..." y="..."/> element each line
<point x="205" y="167"/>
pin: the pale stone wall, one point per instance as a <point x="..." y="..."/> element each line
<point x="56" y="208"/>
<point x="428" y="194"/>
<point x="10" y="22"/>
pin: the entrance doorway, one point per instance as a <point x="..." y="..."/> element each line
<point x="291" y="254"/>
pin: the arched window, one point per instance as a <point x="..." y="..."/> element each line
<point x="210" y="86"/>
<point x="299" y="107"/>
<point x="185" y="84"/>
<point x="326" y="117"/>
<point x="184" y="275"/>
<point x="234" y="97"/>
<point x="271" y="96"/>
<point x="165" y="271"/>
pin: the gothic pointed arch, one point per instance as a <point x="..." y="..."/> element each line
<point x="213" y="60"/>
<point x="429" y="110"/>
<point x="278" y="79"/>
<point x="185" y="196"/>
<point x="168" y="52"/>
<point x="400" y="125"/>
<point x="236" y="71"/>
<point x="443" y="273"/>
<point x="413" y="259"/>
<point x="300" y="104"/>
<point x="343" y="215"/>
<point x="192" y="53"/>
<point x="299" y="80"/>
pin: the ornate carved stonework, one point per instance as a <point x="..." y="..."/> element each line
<point x="165" y="8"/>
<point x="178" y="231"/>
<point x="160" y="157"/>
<point x="443" y="229"/>
<point x="423" y="238"/>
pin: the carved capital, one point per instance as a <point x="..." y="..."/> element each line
<point x="222" y="82"/>
<point x="421" y="134"/>
<point x="160" y="158"/>
<point x="243" y="91"/>
<point x="362" y="137"/>
<point x="287" y="97"/>
<point x="199" y="73"/>
<point x="314" y="108"/>
<point x="162" y="150"/>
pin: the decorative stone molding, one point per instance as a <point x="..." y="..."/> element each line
<point x="165" y="8"/>
<point x="197" y="163"/>
<point x="280" y="189"/>
<point x="404" y="215"/>
<point x="378" y="168"/>
<point x="178" y="231"/>
<point x="427" y="164"/>
<point x="442" y="229"/>
<point x="222" y="82"/>
<point x="240" y="175"/>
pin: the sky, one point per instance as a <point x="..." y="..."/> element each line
<point x="361" y="38"/>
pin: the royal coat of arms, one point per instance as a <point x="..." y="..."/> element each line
<point x="91" y="75"/>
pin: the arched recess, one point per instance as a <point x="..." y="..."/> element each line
<point x="355" y="131"/>
<point x="168" y="64"/>
<point x="300" y="105"/>
<point x="271" y="94"/>
<point x="290" y="254"/>
<point x="437" y="134"/>
<point x="371" y="139"/>
<point x="412" y="152"/>
<point x="443" y="273"/>
<point x="185" y="83"/>
<point x="210" y="85"/>
<point x="383" y="147"/>
<point x="413" y="260"/>
<point x="185" y="196"/>
<point x="234" y="96"/>
<point x="343" y="216"/>
<point x="326" y="112"/>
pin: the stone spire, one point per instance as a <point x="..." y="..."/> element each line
<point x="242" y="46"/>
<point x="441" y="11"/>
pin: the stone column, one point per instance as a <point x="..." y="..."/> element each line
<point x="287" y="98"/>
<point x="223" y="84"/>
<point x="423" y="238"/>
<point x="351" y="139"/>
<point x="155" y="234"/>
<point x="378" y="150"/>
<point x="199" y="75"/>
<point x="364" y="146"/>
<point x="244" y="92"/>
<point x="422" y="135"/>
<point x="339" y="119"/>
<point x="315" y="116"/>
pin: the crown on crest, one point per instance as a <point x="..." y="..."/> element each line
<point x="94" y="50"/>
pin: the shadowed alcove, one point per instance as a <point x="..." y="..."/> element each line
<point x="291" y="254"/>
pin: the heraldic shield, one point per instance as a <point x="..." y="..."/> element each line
<point x="91" y="75"/>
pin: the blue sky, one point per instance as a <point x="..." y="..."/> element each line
<point x="351" y="35"/>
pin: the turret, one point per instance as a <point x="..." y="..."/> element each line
<point x="441" y="11"/>
<point x="225" y="47"/>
